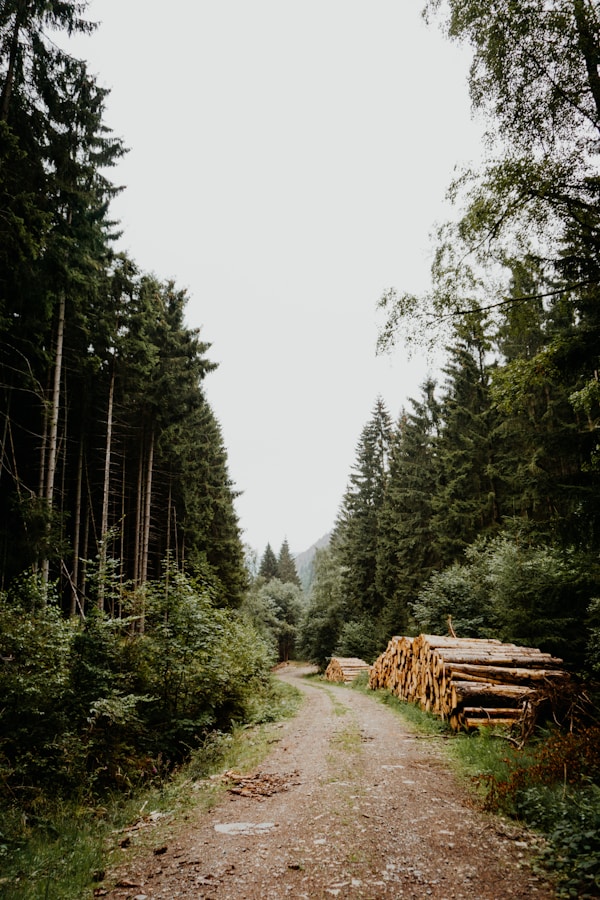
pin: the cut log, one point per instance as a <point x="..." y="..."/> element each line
<point x="464" y="692"/>
<point x="503" y="674"/>
<point x="345" y="669"/>
<point x="448" y="675"/>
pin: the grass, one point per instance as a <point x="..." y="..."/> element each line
<point x="62" y="855"/>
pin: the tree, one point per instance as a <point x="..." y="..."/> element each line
<point x="466" y="499"/>
<point x="407" y="553"/>
<point x="534" y="76"/>
<point x="286" y="566"/>
<point x="532" y="594"/>
<point x="326" y="612"/>
<point x="356" y="532"/>
<point x="269" y="567"/>
<point x="525" y="247"/>
<point x="57" y="147"/>
<point x="275" y="610"/>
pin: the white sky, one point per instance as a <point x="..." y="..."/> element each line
<point x="288" y="161"/>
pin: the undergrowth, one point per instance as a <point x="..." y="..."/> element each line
<point x="59" y="852"/>
<point x="552" y="786"/>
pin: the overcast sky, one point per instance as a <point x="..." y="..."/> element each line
<point x="288" y="162"/>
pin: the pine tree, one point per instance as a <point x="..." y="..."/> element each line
<point x="465" y="502"/>
<point x="406" y="553"/>
<point x="269" y="567"/>
<point x="545" y="446"/>
<point x="356" y="533"/>
<point x="286" y="566"/>
<point x="55" y="148"/>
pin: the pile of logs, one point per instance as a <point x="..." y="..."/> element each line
<point x="345" y="668"/>
<point x="468" y="682"/>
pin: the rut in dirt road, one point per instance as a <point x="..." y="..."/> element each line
<point x="350" y="803"/>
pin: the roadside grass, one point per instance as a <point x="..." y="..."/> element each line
<point x="551" y="785"/>
<point x="71" y="846"/>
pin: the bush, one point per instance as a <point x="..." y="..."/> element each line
<point x="358" y="638"/>
<point x="552" y="786"/>
<point x="96" y="706"/>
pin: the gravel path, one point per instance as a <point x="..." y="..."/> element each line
<point x="349" y="803"/>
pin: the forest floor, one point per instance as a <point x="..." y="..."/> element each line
<point x="349" y="803"/>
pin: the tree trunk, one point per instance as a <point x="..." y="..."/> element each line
<point x="589" y="49"/>
<point x="147" y="508"/>
<point x="77" y="530"/>
<point x="48" y="492"/>
<point x="7" y="87"/>
<point x="106" y="494"/>
<point x="137" y="552"/>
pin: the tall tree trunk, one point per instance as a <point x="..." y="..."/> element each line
<point x="9" y="81"/>
<point x="106" y="493"/>
<point x="168" y="553"/>
<point x="137" y="553"/>
<point x="53" y="432"/>
<point x="86" y="541"/>
<point x="147" y="507"/>
<point x="77" y="530"/>
<point x="5" y="433"/>
<point x="122" y="537"/>
<point x="589" y="49"/>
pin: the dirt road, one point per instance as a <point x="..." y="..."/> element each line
<point x="359" y="807"/>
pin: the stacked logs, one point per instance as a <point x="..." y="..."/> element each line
<point x="467" y="681"/>
<point x="345" y="669"/>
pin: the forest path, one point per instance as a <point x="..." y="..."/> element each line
<point x="359" y="807"/>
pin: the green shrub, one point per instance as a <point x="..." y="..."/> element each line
<point x="550" y="785"/>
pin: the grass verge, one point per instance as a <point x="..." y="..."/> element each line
<point x="69" y="849"/>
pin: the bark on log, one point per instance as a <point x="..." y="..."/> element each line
<point x="448" y="675"/>
<point x="345" y="669"/>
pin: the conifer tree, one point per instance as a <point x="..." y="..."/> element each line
<point x="286" y="566"/>
<point x="269" y="567"/>
<point x="356" y="533"/>
<point x="465" y="502"/>
<point x="406" y="552"/>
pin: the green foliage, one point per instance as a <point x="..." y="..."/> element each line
<point x="286" y="567"/>
<point x="553" y="786"/>
<point x="459" y="593"/>
<point x="59" y="851"/>
<point x="36" y="693"/>
<point x="275" y="609"/>
<point x="520" y="592"/>
<point x="593" y="647"/>
<point x="358" y="638"/>
<point x="269" y="567"/>
<point x="326" y="611"/>
<point x="406" y="548"/>
<point x="98" y="705"/>
<point x="357" y="528"/>
<point x="260" y="611"/>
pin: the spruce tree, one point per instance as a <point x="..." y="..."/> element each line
<point x="356" y="534"/>
<point x="286" y="566"/>
<point x="406" y="552"/>
<point x="269" y="567"/>
<point x="465" y="502"/>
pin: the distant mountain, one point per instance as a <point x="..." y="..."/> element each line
<point x="305" y="562"/>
